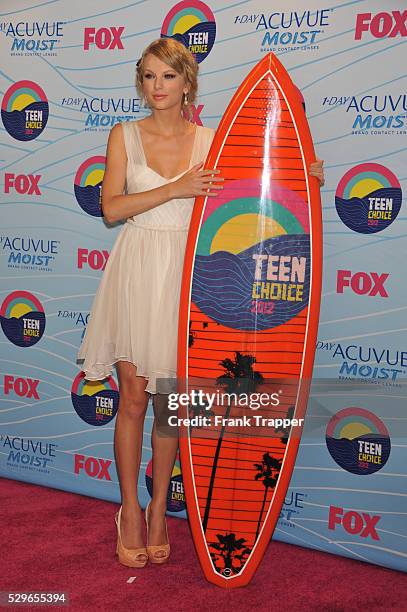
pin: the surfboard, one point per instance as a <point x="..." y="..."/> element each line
<point x="248" y="321"/>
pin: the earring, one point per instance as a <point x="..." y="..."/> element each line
<point x="185" y="98"/>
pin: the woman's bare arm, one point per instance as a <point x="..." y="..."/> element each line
<point x="117" y="206"/>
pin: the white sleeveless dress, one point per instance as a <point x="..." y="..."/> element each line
<point x="134" y="316"/>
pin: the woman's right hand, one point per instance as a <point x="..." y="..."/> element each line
<point x="196" y="182"/>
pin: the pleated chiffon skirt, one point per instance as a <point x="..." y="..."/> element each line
<point x="134" y="316"/>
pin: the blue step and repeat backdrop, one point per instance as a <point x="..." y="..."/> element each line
<point x="67" y="78"/>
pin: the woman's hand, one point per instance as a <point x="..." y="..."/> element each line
<point x="316" y="169"/>
<point x="196" y="182"/>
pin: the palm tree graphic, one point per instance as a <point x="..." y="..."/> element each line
<point x="239" y="377"/>
<point x="226" y="548"/>
<point x="268" y="471"/>
<point x="199" y="410"/>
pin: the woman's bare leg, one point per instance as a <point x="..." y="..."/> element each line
<point x="164" y="452"/>
<point x="128" y="440"/>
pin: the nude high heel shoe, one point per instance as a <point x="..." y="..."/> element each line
<point x="128" y="556"/>
<point x="152" y="550"/>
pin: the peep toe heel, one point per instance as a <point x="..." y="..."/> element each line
<point x="153" y="550"/>
<point x="129" y="556"/>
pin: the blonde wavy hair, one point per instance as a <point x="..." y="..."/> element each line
<point x="176" y="55"/>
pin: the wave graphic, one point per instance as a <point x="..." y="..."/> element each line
<point x="88" y="198"/>
<point x="15" y="121"/>
<point x="347" y="453"/>
<point x="222" y="284"/>
<point x="14" y="328"/>
<point x="86" y="407"/>
<point x="203" y="26"/>
<point x="354" y="211"/>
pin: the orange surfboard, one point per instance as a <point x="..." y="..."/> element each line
<point x="248" y="322"/>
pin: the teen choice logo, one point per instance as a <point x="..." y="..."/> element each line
<point x="88" y="185"/>
<point x="358" y="441"/>
<point x="252" y="263"/>
<point x="192" y="23"/>
<point x="96" y="402"/>
<point x="368" y="198"/>
<point x="24" y="110"/>
<point x="22" y="318"/>
<point x="175" y="495"/>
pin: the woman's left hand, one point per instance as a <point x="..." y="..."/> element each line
<point x="316" y="169"/>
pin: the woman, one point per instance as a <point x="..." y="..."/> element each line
<point x="133" y="324"/>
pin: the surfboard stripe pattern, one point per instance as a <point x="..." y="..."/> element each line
<point x="248" y="320"/>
